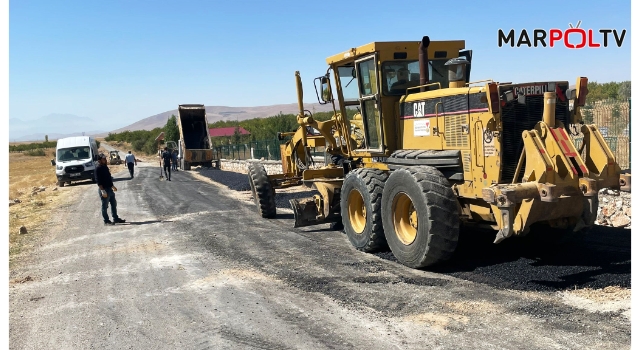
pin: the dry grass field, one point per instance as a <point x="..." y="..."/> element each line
<point x="27" y="175"/>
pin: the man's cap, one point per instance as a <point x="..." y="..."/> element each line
<point x="102" y="155"/>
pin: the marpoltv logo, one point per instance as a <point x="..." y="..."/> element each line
<point x="571" y="38"/>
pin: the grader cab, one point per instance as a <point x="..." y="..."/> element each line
<point x="418" y="151"/>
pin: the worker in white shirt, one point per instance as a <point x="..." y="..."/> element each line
<point x="130" y="159"/>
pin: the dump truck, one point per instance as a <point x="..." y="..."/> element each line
<point x="194" y="147"/>
<point x="439" y="152"/>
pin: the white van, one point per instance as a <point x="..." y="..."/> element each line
<point x="76" y="159"/>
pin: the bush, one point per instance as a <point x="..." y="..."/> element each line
<point x="137" y="145"/>
<point x="150" y="146"/>
<point x="35" y="152"/>
<point x="32" y="146"/>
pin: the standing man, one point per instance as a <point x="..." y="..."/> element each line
<point x="107" y="191"/>
<point x="166" y="163"/>
<point x="174" y="160"/>
<point x="130" y="159"/>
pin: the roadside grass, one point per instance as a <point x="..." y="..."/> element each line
<point x="26" y="175"/>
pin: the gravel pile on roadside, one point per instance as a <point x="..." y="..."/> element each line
<point x="614" y="208"/>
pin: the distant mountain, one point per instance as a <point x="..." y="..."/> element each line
<point x="53" y="137"/>
<point x="64" y="125"/>
<point x="54" y="125"/>
<point x="216" y="113"/>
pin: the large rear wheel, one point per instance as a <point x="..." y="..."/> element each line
<point x="264" y="194"/>
<point x="420" y="216"/>
<point x="360" y="200"/>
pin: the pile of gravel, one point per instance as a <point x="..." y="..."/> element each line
<point x="614" y="208"/>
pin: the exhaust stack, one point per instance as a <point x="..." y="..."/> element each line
<point x="549" y="114"/>
<point x="424" y="61"/>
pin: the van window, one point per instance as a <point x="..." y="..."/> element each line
<point x="74" y="153"/>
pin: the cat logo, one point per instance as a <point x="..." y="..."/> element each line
<point x="530" y="90"/>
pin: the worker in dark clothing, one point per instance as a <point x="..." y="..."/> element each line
<point x="107" y="191"/>
<point x="166" y="163"/>
<point x="174" y="160"/>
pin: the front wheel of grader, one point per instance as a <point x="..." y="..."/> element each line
<point x="420" y="216"/>
<point x="263" y="193"/>
<point x="360" y="201"/>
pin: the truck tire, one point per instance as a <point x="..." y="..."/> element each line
<point x="420" y="216"/>
<point x="360" y="202"/>
<point x="60" y="183"/>
<point x="263" y="193"/>
<point x="185" y="165"/>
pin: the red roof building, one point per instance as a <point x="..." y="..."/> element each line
<point x="217" y="132"/>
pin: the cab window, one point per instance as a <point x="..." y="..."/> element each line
<point x="348" y="84"/>
<point x="397" y="76"/>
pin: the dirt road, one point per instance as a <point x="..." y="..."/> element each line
<point x="195" y="268"/>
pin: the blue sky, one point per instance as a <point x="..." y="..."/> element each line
<point x="122" y="61"/>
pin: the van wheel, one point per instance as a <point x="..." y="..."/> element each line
<point x="60" y="184"/>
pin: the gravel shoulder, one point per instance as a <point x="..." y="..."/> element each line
<point x="196" y="268"/>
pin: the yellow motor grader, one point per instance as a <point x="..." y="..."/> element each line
<point x="428" y="151"/>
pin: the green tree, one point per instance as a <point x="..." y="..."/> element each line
<point x="617" y="123"/>
<point x="236" y="134"/>
<point x="587" y="114"/>
<point x="624" y="90"/>
<point x="171" y="131"/>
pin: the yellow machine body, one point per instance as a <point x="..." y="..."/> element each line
<point x="505" y="148"/>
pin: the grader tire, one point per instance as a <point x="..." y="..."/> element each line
<point x="360" y="201"/>
<point x="264" y="194"/>
<point x="420" y="216"/>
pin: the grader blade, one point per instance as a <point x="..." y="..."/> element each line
<point x="306" y="213"/>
